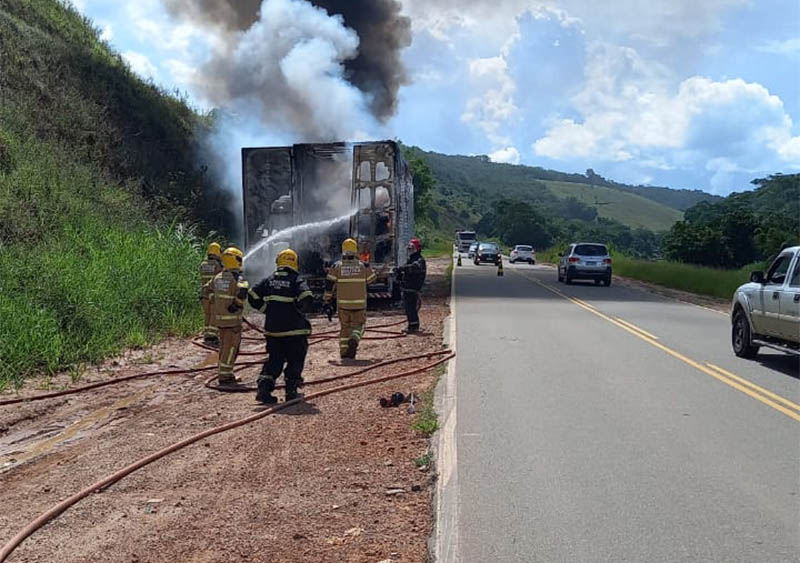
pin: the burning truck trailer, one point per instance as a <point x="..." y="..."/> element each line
<point x="310" y="197"/>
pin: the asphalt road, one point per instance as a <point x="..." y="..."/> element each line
<point x="609" y="424"/>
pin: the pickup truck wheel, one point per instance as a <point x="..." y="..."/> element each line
<point x="607" y="281"/>
<point x="741" y="338"/>
<point x="567" y="279"/>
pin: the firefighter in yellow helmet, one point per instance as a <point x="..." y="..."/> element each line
<point x="227" y="293"/>
<point x="347" y="281"/>
<point x="284" y="298"/>
<point x="209" y="268"/>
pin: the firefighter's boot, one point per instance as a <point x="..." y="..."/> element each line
<point x="264" y="393"/>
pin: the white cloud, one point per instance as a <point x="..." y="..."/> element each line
<point x="107" y="33"/>
<point x="508" y="155"/>
<point x="786" y="47"/>
<point x="631" y="112"/>
<point x="140" y="64"/>
<point x="495" y="106"/>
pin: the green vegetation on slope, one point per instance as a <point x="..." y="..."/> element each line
<point x="740" y="229"/>
<point x="95" y="165"/>
<point x="626" y="208"/>
<point x="468" y="185"/>
<point x="687" y="277"/>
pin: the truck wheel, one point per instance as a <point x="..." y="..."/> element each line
<point x="567" y="279"/>
<point x="741" y="338"/>
<point x="607" y="281"/>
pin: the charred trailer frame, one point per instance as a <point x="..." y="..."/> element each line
<point x="289" y="186"/>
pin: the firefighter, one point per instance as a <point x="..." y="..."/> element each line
<point x="284" y="298"/>
<point x="347" y="281"/>
<point x="209" y="268"/>
<point x="227" y="292"/>
<point x="412" y="276"/>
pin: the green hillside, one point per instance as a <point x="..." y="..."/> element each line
<point x="627" y="208"/>
<point x="469" y="184"/>
<point x="97" y="194"/>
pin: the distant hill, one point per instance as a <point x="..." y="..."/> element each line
<point x="626" y="207"/>
<point x="476" y="182"/>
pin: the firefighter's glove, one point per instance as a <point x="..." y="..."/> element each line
<point x="233" y="308"/>
<point x="328" y="310"/>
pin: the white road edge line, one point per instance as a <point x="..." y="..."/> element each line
<point x="445" y="535"/>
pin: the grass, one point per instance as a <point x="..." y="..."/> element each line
<point x="424" y="460"/>
<point x="686" y="277"/>
<point x="627" y="208"/>
<point x="427" y="422"/>
<point x="95" y="164"/>
<point x="92" y="292"/>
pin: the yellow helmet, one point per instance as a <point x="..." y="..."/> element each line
<point x="288" y="259"/>
<point x="214" y="249"/>
<point x="350" y="246"/>
<point x="232" y="258"/>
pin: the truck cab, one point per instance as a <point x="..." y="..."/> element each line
<point x="766" y="311"/>
<point x="464" y="239"/>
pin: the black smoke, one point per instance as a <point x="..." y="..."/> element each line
<point x="383" y="33"/>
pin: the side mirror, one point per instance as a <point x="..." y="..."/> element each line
<point x="757" y="277"/>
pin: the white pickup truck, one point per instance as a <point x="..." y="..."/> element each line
<point x="766" y="311"/>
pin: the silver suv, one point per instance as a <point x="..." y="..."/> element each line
<point x="766" y="311"/>
<point x="585" y="261"/>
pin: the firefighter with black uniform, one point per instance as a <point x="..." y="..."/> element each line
<point x="347" y="281"/>
<point x="412" y="277"/>
<point x="284" y="297"/>
<point x="209" y="268"/>
<point x="227" y="293"/>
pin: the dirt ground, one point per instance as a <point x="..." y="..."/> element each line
<point x="333" y="479"/>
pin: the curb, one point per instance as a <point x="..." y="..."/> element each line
<point x="443" y="542"/>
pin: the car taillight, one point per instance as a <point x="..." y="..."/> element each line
<point x="573" y="260"/>
<point x="607" y="261"/>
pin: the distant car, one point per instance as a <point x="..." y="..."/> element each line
<point x="522" y="253"/>
<point x="585" y="261"/>
<point x="766" y="311"/>
<point x="487" y="252"/>
<point x="472" y="248"/>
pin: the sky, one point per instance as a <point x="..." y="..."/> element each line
<point x="681" y="93"/>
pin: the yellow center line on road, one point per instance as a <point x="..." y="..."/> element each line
<point x="752" y="385"/>
<point x="720" y="376"/>
<point x="634" y="327"/>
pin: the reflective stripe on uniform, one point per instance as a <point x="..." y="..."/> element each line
<point x="352" y="302"/>
<point x="332" y="278"/>
<point x="300" y="332"/>
<point x="280" y="299"/>
<point x="304" y="295"/>
<point x="263" y="308"/>
<point x="223" y="297"/>
<point x="351" y="280"/>
<point x="252" y="293"/>
<point x="228" y="318"/>
<point x="372" y="278"/>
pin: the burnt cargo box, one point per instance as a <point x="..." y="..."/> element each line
<point x="367" y="186"/>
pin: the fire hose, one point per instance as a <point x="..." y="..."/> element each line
<point x="62" y="506"/>
<point x="187" y="371"/>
